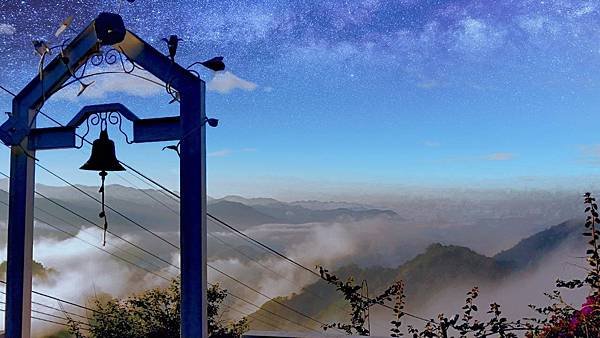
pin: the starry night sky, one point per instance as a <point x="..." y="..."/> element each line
<point x="353" y="94"/>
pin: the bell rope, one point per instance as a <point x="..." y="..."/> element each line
<point x="103" y="212"/>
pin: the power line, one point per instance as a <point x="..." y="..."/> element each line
<point x="56" y="309"/>
<point x="98" y="226"/>
<point x="252" y="316"/>
<point x="268" y="311"/>
<point x="109" y="244"/>
<point x="108" y="206"/>
<point x="149" y="195"/>
<point x="91" y="244"/>
<point x="264" y="295"/>
<point x="223" y="242"/>
<point x="225" y="224"/>
<point x="60" y="300"/>
<point x="47" y="314"/>
<point x="47" y="320"/>
<point x="260" y="244"/>
<point x="52" y="315"/>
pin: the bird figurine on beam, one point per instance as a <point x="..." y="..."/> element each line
<point x="172" y="44"/>
<point x="41" y="47"/>
<point x="215" y="64"/>
<point x="64" y="26"/>
<point x="83" y="86"/>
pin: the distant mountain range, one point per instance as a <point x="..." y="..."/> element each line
<point x="439" y="268"/>
<point x="159" y="211"/>
<point x="268" y="210"/>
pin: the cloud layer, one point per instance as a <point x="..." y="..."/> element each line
<point x="225" y="82"/>
<point x="138" y="83"/>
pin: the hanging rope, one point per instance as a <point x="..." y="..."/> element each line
<point x="102" y="214"/>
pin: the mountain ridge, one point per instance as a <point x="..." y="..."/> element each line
<point x="440" y="267"/>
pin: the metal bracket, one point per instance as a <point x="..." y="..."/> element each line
<point x="144" y="130"/>
<point x="13" y="131"/>
<point x="52" y="138"/>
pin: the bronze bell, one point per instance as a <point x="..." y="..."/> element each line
<point x="103" y="156"/>
<point x="103" y="159"/>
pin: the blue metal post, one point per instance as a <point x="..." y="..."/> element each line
<point x="192" y="179"/>
<point x="20" y="236"/>
<point x="193" y="212"/>
<point x="22" y="183"/>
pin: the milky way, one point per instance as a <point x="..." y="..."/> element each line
<point x="254" y="33"/>
<point x="436" y="70"/>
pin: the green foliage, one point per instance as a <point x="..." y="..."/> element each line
<point x="60" y="334"/>
<point x="395" y="331"/>
<point x="38" y="270"/>
<point x="359" y="304"/>
<point x="152" y="314"/>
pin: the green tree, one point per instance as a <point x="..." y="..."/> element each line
<point x="152" y="314"/>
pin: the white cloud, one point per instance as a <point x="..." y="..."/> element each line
<point x="227" y="152"/>
<point x="500" y="157"/>
<point x="220" y="153"/>
<point x="225" y="82"/>
<point x="7" y="29"/>
<point x="114" y="84"/>
<point x="84" y="271"/>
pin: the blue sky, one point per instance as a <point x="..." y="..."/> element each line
<point x="353" y="94"/>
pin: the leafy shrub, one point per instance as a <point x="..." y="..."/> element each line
<point x="152" y="314"/>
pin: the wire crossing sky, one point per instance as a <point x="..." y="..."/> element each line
<point x="349" y="96"/>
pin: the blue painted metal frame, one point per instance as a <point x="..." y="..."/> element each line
<point x="52" y="138"/>
<point x="86" y="111"/>
<point x="144" y="130"/>
<point x="190" y="123"/>
<point x="157" y="129"/>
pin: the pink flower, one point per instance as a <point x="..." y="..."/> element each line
<point x="588" y="307"/>
<point x="574" y="322"/>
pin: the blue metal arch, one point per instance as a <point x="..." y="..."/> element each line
<point x="20" y="133"/>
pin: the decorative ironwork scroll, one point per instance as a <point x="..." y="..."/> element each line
<point x="104" y="119"/>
